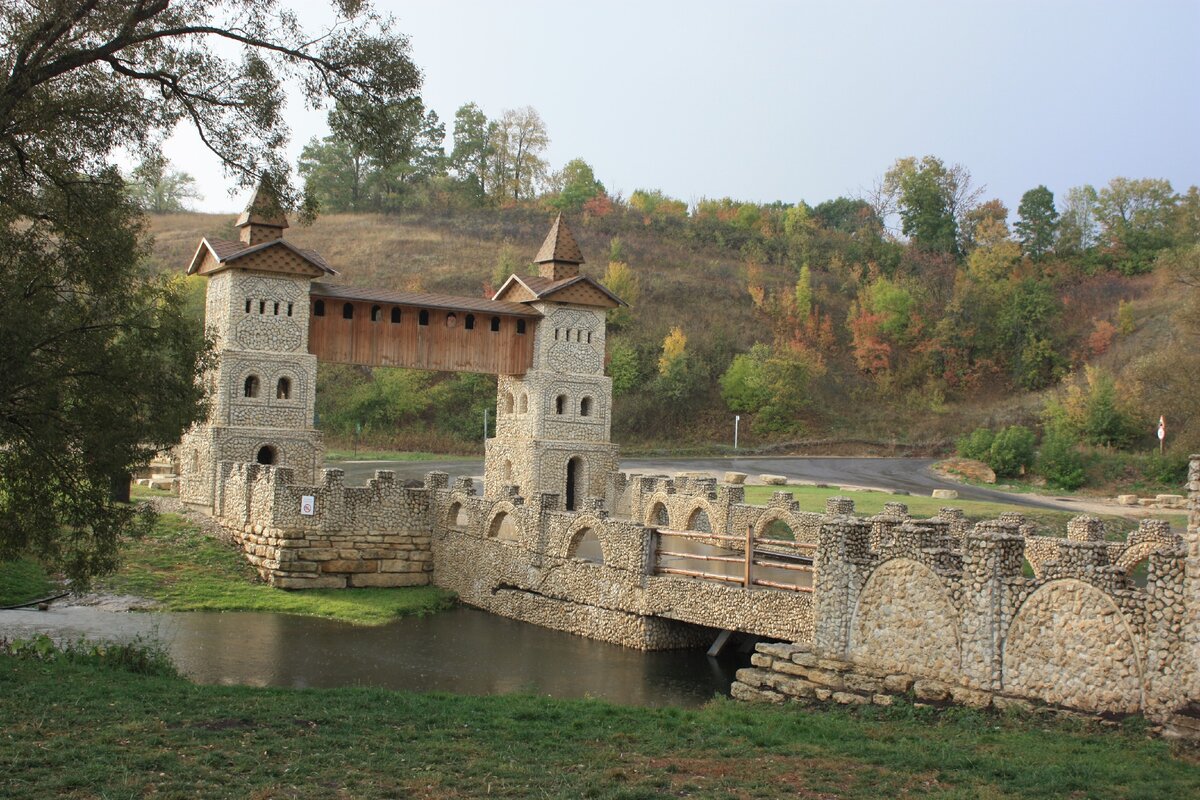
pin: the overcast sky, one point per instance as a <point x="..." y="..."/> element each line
<point x="806" y="101"/>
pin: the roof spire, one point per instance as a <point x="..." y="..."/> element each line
<point x="263" y="219"/>
<point x="559" y="257"/>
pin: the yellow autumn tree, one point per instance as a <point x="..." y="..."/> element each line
<point x="674" y="348"/>
<point x="622" y="281"/>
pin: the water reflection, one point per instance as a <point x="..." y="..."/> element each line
<point x="463" y="651"/>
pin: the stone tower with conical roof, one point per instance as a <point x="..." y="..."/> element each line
<point x="553" y="423"/>
<point x="262" y="389"/>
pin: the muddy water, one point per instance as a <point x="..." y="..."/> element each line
<point x="463" y="651"/>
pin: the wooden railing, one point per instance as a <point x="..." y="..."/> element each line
<point x="754" y="554"/>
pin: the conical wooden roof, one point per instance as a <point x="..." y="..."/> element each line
<point x="263" y="209"/>
<point x="559" y="245"/>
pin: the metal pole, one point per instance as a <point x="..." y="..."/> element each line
<point x="736" y="419"/>
<point x="749" y="555"/>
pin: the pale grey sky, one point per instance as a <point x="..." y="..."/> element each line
<point x="786" y="101"/>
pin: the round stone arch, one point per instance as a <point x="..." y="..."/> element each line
<point x="692" y="508"/>
<point x="1134" y="554"/>
<point x="267" y="453"/>
<point x="904" y="621"/>
<point x="578" y="530"/>
<point x="496" y="523"/>
<point x="656" y="500"/>
<point x="1071" y="645"/>
<point x="787" y="517"/>
<point x="458" y="516"/>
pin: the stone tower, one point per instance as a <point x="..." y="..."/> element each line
<point x="553" y="423"/>
<point x="262" y="389"/>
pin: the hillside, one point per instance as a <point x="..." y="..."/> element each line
<point x="725" y="297"/>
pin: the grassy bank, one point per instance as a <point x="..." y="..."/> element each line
<point x="82" y="730"/>
<point x="187" y="570"/>
<point x="362" y="454"/>
<point x="23" y="580"/>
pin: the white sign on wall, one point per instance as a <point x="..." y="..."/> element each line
<point x="308" y="505"/>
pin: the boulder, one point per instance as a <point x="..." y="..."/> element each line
<point x="736" y="478"/>
<point x="773" y="480"/>
<point x="1127" y="499"/>
<point x="945" y="494"/>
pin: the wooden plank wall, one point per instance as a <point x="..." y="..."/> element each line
<point x="436" y="346"/>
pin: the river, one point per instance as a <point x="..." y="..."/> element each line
<point x="463" y="650"/>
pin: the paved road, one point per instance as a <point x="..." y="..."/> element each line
<point x="904" y="474"/>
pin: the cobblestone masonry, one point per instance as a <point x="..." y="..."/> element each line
<point x="920" y="611"/>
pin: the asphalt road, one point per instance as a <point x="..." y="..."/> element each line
<point x="904" y="474"/>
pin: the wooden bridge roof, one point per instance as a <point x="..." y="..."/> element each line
<point x="214" y="255"/>
<point x="580" y="290"/>
<point x="479" y="305"/>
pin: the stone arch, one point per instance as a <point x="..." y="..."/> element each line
<point x="1069" y="644"/>
<point x="800" y="533"/>
<point x="457" y="516"/>
<point x="904" y="621"/>
<point x="250" y="388"/>
<point x="523" y="403"/>
<point x="583" y="540"/>
<point x="658" y="514"/>
<point x="699" y="516"/>
<point x="267" y="454"/>
<point x="1135" y="554"/>
<point x="503" y="524"/>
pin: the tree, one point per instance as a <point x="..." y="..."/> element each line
<point x="1077" y="227"/>
<point x="933" y="200"/>
<point x="160" y="190"/>
<point x="473" y="150"/>
<point x="518" y="140"/>
<point x="1037" y="223"/>
<point x="622" y="281"/>
<point x="744" y="385"/>
<point x="100" y="359"/>
<point x="577" y="185"/>
<point x="1136" y="219"/>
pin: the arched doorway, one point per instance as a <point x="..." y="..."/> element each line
<point x="574" y="482"/>
<point x="266" y="455"/>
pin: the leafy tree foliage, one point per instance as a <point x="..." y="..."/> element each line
<point x="1136" y="217"/>
<point x="1038" y="222"/>
<point x="1012" y="453"/>
<point x="577" y="184"/>
<point x="518" y="139"/>
<point x="931" y="199"/>
<point x="1059" y="461"/>
<point x="471" y="156"/>
<point x="159" y="189"/>
<point x="744" y="385"/>
<point x="100" y="359"/>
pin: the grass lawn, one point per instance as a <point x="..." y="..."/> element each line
<point x="23" y="580"/>
<point x="812" y="498"/>
<point x="187" y="570"/>
<point x="79" y="730"/>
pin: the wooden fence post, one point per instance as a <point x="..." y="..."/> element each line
<point x="749" y="555"/>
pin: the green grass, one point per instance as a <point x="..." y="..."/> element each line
<point x="866" y="503"/>
<point x="84" y="730"/>
<point x="187" y="570"/>
<point x="388" y="455"/>
<point x="23" y="580"/>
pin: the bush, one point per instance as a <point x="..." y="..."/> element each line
<point x="1012" y="451"/>
<point x="1166" y="470"/>
<point x="1059" y="462"/>
<point x="976" y="445"/>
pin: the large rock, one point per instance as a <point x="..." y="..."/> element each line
<point x="736" y="478"/>
<point x="1127" y="499"/>
<point x="945" y="494"/>
<point x="773" y="480"/>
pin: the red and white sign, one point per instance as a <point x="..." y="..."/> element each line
<point x="308" y="505"/>
<point x="1162" y="429"/>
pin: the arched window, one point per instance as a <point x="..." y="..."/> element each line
<point x="503" y="527"/>
<point x="699" y="522"/>
<point x="560" y="403"/>
<point x="195" y="461"/>
<point x="585" y="407"/>
<point x="395" y="314"/>
<point x="521" y="327"/>
<point x="589" y="337"/>
<point x="251" y="387"/>
<point x="283" y="389"/>
<point x="376" y="312"/>
<point x="574" y="482"/>
<point x="495" y="324"/>
<point x="469" y="322"/>
<point x="262" y="306"/>
<point x="585" y="545"/>
<point x="523" y="403"/>
<point x="451" y="320"/>
<point x="508" y="403"/>
<point x="348" y="311"/>
<point x="423" y="317"/>
<point x="318" y="308"/>
<point x="266" y="455"/>
<point x="507" y="471"/>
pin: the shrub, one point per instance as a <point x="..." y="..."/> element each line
<point x="1012" y="451"/>
<point x="1166" y="470"/>
<point x="1059" y="462"/>
<point x="976" y="445"/>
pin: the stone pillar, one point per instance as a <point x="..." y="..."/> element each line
<point x="992" y="555"/>
<point x="841" y="561"/>
<point x="1191" y="592"/>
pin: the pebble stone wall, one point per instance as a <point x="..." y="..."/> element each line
<point x="913" y="609"/>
